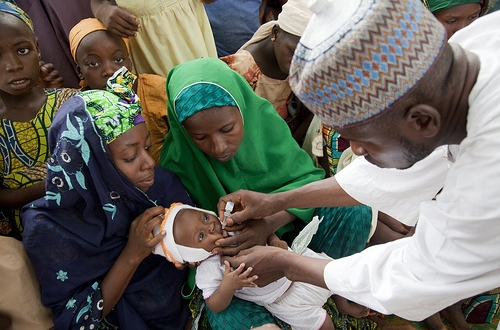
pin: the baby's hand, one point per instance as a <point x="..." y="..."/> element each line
<point x="239" y="278"/>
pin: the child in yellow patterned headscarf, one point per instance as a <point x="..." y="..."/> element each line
<point x="26" y="113"/>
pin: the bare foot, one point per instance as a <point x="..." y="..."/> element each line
<point x="350" y="308"/>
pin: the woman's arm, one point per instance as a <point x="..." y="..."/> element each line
<point x="22" y="196"/>
<point x="139" y="245"/>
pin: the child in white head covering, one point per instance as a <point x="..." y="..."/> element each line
<point x="191" y="234"/>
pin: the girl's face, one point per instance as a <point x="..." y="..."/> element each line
<point x="99" y="55"/>
<point x="197" y="229"/>
<point x="19" y="56"/>
<point x="458" y="17"/>
<point x="284" y="47"/>
<point x="216" y="131"/>
<point x="130" y="154"/>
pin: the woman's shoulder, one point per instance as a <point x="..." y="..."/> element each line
<point x="243" y="62"/>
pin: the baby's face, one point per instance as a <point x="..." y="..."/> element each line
<point x="197" y="229"/>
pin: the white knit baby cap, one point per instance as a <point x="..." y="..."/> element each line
<point x="294" y="17"/>
<point x="171" y="250"/>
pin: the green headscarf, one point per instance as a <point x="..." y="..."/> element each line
<point x="268" y="159"/>
<point x="117" y="109"/>
<point x="436" y="5"/>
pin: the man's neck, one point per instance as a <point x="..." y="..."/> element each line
<point x="463" y="76"/>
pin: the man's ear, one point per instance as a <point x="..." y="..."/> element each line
<point x="422" y="120"/>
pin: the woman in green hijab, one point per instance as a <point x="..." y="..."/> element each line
<point x="457" y="14"/>
<point x="224" y="137"/>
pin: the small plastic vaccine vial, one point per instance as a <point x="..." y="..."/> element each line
<point x="227" y="212"/>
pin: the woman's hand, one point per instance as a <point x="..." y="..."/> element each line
<point x="49" y="76"/>
<point x="141" y="241"/>
<point x="139" y="245"/>
<point x="253" y="232"/>
<point x="116" y="19"/>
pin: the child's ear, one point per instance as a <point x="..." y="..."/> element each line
<point x="79" y="72"/>
<point x="274" y="33"/>
<point x="38" y="48"/>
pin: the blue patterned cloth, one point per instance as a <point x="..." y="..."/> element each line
<point x="10" y="7"/>
<point x="75" y="234"/>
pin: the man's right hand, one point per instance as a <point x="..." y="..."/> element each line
<point x="247" y="205"/>
<point x="263" y="260"/>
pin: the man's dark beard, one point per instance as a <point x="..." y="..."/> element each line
<point x="413" y="152"/>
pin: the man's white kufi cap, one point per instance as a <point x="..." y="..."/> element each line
<point x="357" y="57"/>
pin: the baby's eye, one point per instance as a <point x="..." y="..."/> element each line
<point x="201" y="236"/>
<point x="119" y="60"/>
<point x="23" y="51"/>
<point x="93" y="64"/>
<point x="205" y="218"/>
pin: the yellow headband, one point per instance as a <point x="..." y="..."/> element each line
<point x="84" y="28"/>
